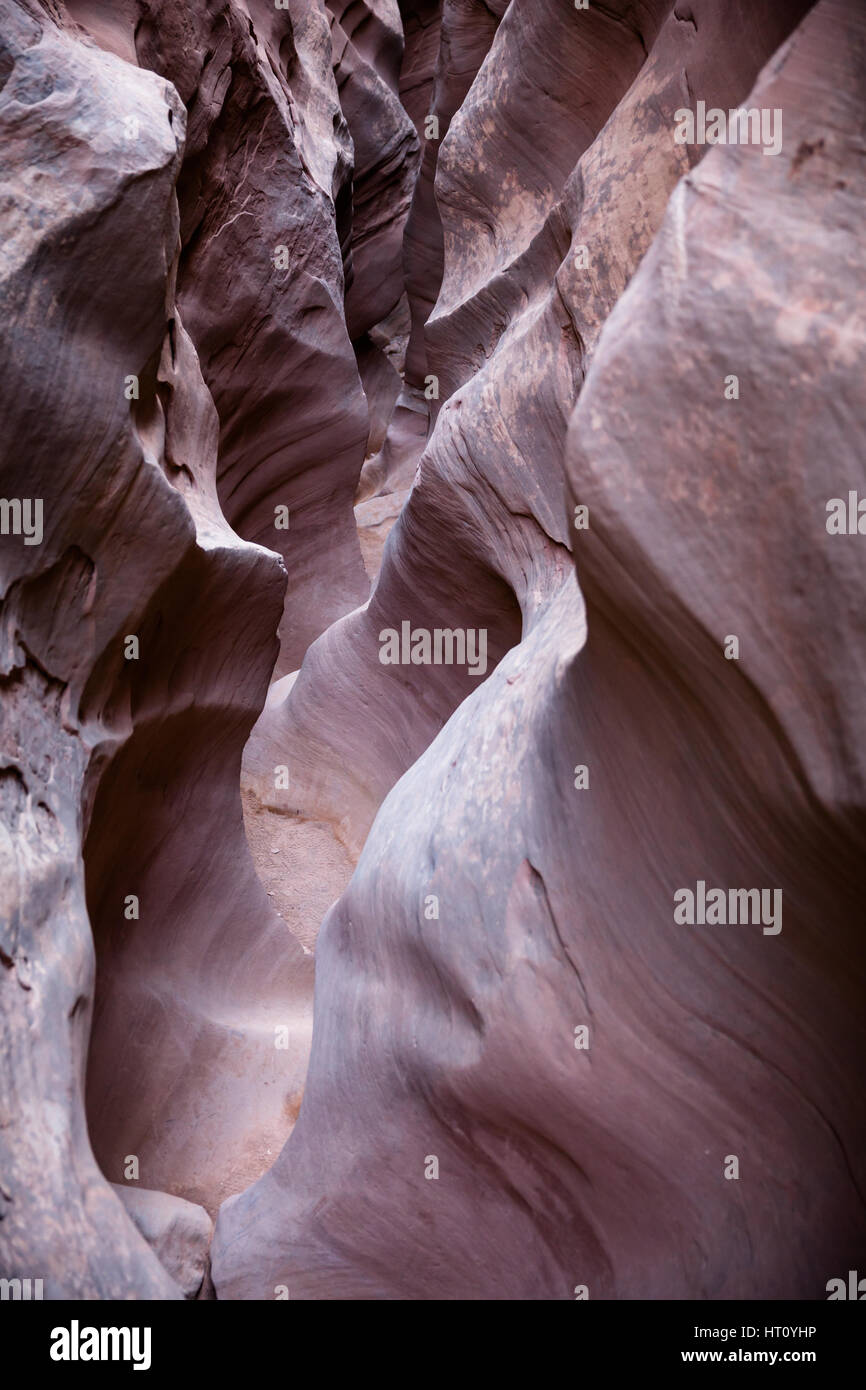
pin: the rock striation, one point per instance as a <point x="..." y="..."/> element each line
<point x="431" y="551"/>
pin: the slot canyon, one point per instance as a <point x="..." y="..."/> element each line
<point x="433" y="648"/>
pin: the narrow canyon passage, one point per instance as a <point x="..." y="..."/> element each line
<point x="433" y="787"/>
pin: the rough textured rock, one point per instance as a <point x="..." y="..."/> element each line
<point x="66" y="601"/>
<point x="135" y="761"/>
<point x="265" y="195"/>
<point x="178" y="1232"/>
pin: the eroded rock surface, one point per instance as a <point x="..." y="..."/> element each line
<point x="483" y="536"/>
<point x="131" y="674"/>
<point x="178" y="1232"/>
<point x="435" y="271"/>
<point x="500" y="906"/>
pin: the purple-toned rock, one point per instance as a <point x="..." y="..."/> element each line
<point x="265" y="194"/>
<point x="548" y="322"/>
<point x="367" y="46"/>
<point x="178" y="1232"/>
<point x="587" y="1015"/>
<point x="137" y="638"/>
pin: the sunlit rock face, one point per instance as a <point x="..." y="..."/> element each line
<point x="431" y="483"/>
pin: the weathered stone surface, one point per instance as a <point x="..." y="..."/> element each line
<point x="446" y="44"/>
<point x="72" y="443"/>
<point x="132" y="760"/>
<point x="465" y="30"/>
<point x="597" y="389"/>
<point x="367" y="46"/>
<point x="482" y="534"/>
<point x="178" y="1232"/>
<point x="265" y="193"/>
<point x="453" y="1036"/>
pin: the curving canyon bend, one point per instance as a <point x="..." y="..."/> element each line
<point x="432" y="649"/>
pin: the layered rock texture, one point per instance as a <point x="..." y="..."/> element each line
<point x="431" y="555"/>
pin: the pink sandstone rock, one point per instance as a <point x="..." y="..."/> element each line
<point x="499" y="906"/>
<point x="432" y="282"/>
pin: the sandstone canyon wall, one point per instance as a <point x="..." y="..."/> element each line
<point x="327" y="328"/>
